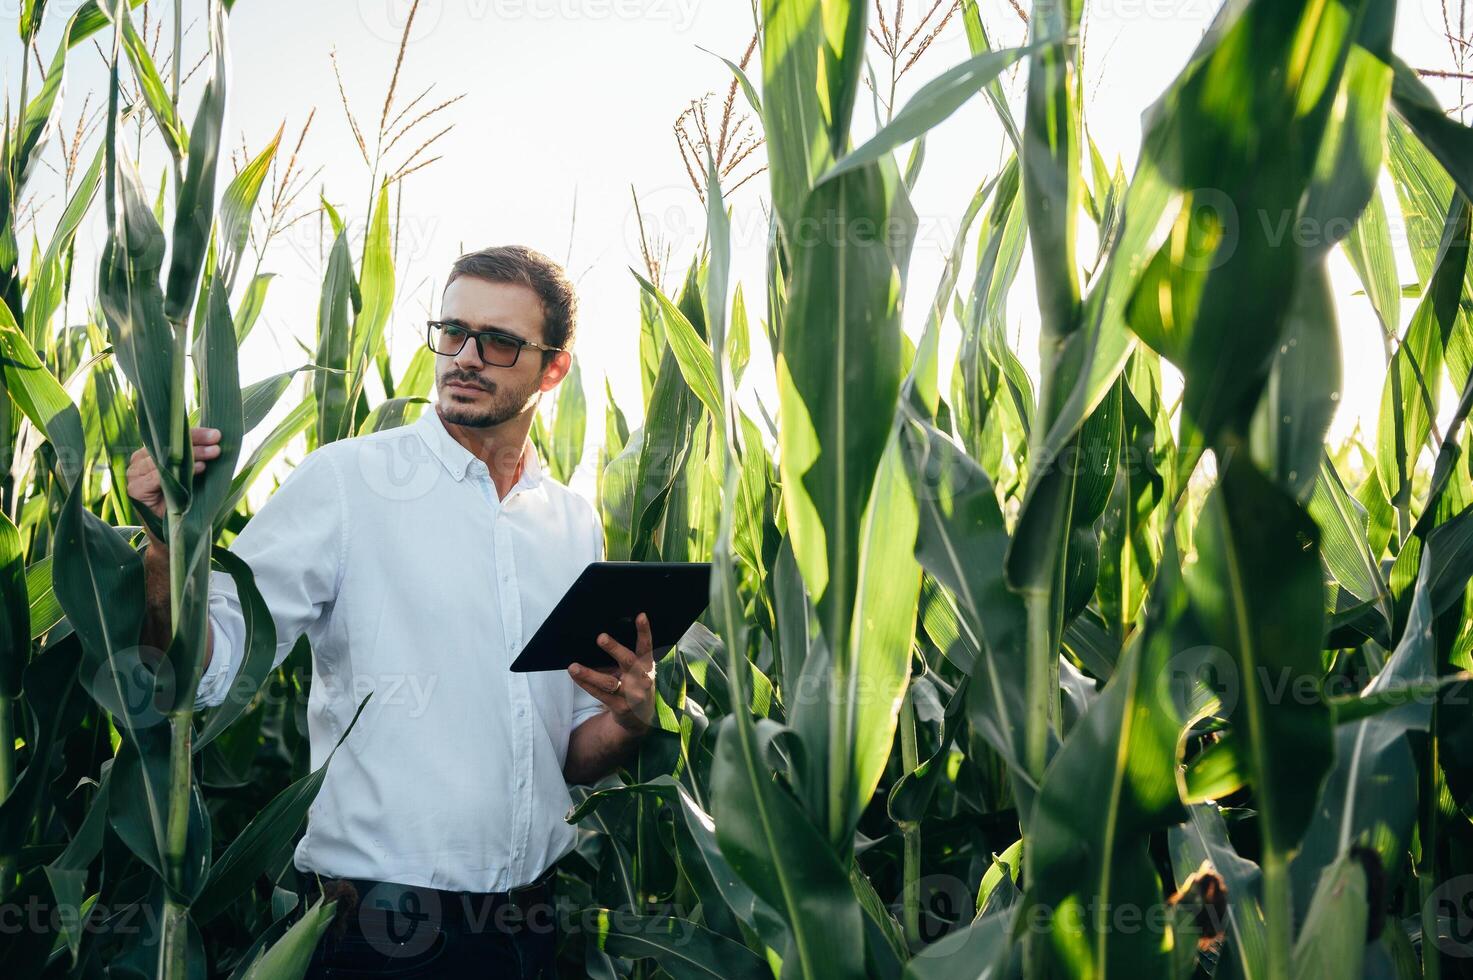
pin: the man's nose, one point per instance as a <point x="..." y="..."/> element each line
<point x="469" y="358"/>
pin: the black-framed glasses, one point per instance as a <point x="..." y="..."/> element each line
<point x="497" y="348"/>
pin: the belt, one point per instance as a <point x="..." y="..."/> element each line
<point x="377" y="904"/>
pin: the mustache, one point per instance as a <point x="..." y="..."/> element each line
<point x="462" y="379"/>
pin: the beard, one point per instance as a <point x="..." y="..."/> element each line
<point x="500" y="404"/>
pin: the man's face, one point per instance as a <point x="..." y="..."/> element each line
<point x="473" y="393"/>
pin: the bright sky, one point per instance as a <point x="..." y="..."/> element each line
<point x="570" y="100"/>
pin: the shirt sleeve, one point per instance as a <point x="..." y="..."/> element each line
<point x="294" y="546"/>
<point x="585" y="705"/>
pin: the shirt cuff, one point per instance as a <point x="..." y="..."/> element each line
<point x="586" y="711"/>
<point x="226" y="625"/>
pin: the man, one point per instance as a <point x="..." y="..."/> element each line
<point x="417" y="561"/>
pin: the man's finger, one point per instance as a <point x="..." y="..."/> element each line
<point x="201" y="435"/>
<point x="206" y="446"/>
<point x="618" y="651"/>
<point x="644" y="643"/>
<point x="143" y="481"/>
<point x="603" y="697"/>
<point x="608" y="679"/>
<point x="596" y="681"/>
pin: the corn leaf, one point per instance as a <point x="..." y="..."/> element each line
<point x="194" y="208"/>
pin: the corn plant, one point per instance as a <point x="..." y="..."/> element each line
<point x="139" y="840"/>
<point x="1071" y="643"/>
<point x="1002" y="674"/>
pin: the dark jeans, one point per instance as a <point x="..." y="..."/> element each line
<point x="390" y="931"/>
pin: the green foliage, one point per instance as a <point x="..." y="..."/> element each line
<point x="1147" y="687"/>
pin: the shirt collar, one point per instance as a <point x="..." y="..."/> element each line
<point x="458" y="460"/>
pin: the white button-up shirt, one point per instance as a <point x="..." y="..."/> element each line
<point x="394" y="555"/>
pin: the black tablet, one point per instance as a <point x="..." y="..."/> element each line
<point x="605" y="599"/>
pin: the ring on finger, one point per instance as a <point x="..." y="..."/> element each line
<point x="618" y="683"/>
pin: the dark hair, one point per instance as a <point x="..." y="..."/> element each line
<point x="528" y="267"/>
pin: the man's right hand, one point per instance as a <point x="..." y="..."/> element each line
<point x="145" y="490"/>
<point x="143" y="476"/>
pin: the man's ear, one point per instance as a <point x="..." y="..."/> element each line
<point x="557" y="369"/>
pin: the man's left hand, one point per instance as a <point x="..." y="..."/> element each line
<point x="627" y="689"/>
